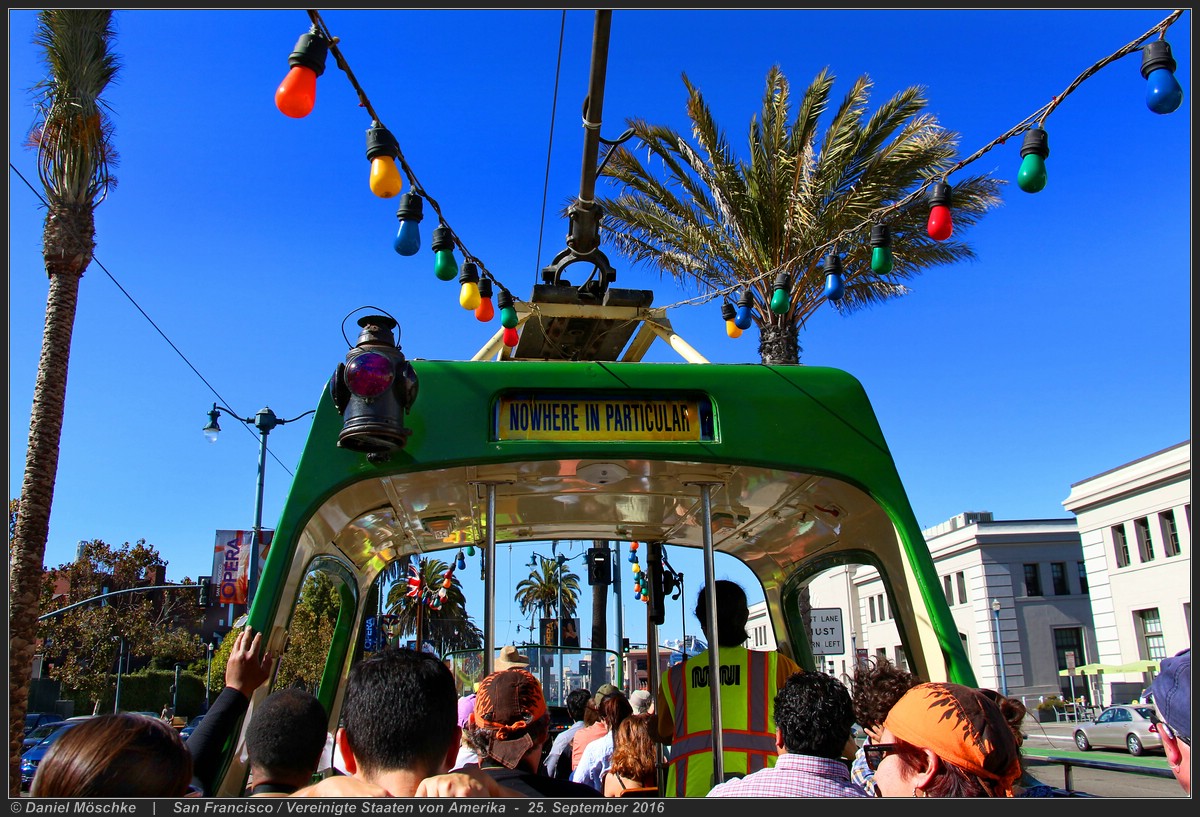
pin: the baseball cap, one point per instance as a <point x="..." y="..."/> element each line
<point x="508" y="703"/>
<point x="509" y="657"/>
<point x="604" y="689"/>
<point x="961" y="726"/>
<point x="1172" y="689"/>
<point x="640" y="701"/>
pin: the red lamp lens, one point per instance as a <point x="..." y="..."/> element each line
<point x="369" y="374"/>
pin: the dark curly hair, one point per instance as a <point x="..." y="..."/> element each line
<point x="875" y="688"/>
<point x="287" y="733"/>
<point x="814" y="714"/>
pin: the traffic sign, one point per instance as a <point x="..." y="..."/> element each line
<point x="825" y="631"/>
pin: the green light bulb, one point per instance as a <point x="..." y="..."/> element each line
<point x="1034" y="150"/>
<point x="780" y="303"/>
<point x="881" y="260"/>
<point x="1032" y="176"/>
<point x="444" y="265"/>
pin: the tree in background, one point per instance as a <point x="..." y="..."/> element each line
<point x="447" y="627"/>
<point x="72" y="133"/>
<point x="310" y="632"/>
<point x="81" y="645"/>
<point x="716" y="222"/>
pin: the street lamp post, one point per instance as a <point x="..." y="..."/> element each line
<point x="559" y="561"/>
<point x="207" y="674"/>
<point x="264" y="421"/>
<point x="120" y="657"/>
<point x="999" y="648"/>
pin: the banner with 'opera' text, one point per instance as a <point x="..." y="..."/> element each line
<point x="231" y="563"/>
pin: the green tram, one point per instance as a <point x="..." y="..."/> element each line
<point x="503" y="449"/>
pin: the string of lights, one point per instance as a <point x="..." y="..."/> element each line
<point x="296" y="95"/>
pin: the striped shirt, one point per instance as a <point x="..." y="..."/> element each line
<point x="793" y="776"/>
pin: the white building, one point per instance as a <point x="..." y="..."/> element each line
<point x="1135" y="523"/>
<point x="1110" y="586"/>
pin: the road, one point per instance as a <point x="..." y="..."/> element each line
<point x="1057" y="738"/>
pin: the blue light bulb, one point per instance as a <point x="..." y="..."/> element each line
<point x="742" y="317"/>
<point x="408" y="239"/>
<point x="1163" y="94"/>
<point x="835" y="288"/>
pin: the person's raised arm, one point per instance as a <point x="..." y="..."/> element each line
<point x="246" y="671"/>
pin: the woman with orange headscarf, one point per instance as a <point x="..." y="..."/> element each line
<point x="945" y="740"/>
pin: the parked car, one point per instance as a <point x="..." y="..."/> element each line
<point x="33" y="756"/>
<point x="35" y="719"/>
<point x="1131" y="727"/>
<point x="187" y="730"/>
<point x="39" y="734"/>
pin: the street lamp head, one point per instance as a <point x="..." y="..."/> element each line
<point x="995" y="605"/>
<point x="213" y="428"/>
<point x="265" y="420"/>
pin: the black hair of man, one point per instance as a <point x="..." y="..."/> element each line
<point x="577" y="701"/>
<point x="733" y="611"/>
<point x="400" y="711"/>
<point x="286" y="736"/>
<point x="814" y="714"/>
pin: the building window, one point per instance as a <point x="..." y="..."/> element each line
<point x="1083" y="585"/>
<point x="1069" y="639"/>
<point x="1151" y="626"/>
<point x="871" y="601"/>
<point x="885" y="611"/>
<point x="901" y="659"/>
<point x="1058" y="577"/>
<point x="1033" y="583"/>
<point x="1120" y="545"/>
<point x="1141" y="529"/>
<point x="881" y="653"/>
<point x="946" y="587"/>
<point x="1166" y="521"/>
<point x="962" y="587"/>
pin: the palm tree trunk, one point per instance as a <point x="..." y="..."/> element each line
<point x="28" y="547"/>
<point x="599" y="631"/>
<point x="779" y="345"/>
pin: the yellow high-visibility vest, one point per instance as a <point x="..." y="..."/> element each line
<point x="749" y="681"/>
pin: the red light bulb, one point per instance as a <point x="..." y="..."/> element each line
<point x="510" y="337"/>
<point x="940" y="225"/>
<point x="297" y="94"/>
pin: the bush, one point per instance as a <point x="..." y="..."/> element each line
<point x="1051" y="701"/>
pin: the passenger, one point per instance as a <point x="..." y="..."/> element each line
<point x="596" y="755"/>
<point x="813" y="719"/>
<point x="467" y="756"/>
<point x="1172" y="690"/>
<point x="508" y="728"/>
<point x="284" y="741"/>
<point x="558" y="762"/>
<point x="1014" y="713"/>
<point x="248" y="668"/>
<point x="749" y="679"/>
<point x="642" y="702"/>
<point x="398" y="728"/>
<point x="876" y="686"/>
<point x="118" y="755"/>
<point x="593" y="727"/>
<point x="633" y="758"/>
<point x="945" y="740"/>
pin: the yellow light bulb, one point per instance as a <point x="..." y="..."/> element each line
<point x="386" y="180"/>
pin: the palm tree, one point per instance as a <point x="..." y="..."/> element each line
<point x="73" y="136"/>
<point x="446" y="628"/>
<point x="719" y="223"/>
<point x="550" y="584"/>
<point x="540" y="591"/>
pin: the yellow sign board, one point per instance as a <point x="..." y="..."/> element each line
<point x="590" y="417"/>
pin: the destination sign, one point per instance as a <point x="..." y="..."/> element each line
<point x="565" y="416"/>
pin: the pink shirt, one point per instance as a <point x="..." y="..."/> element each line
<point x="582" y="738"/>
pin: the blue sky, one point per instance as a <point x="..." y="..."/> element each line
<point x="247" y="238"/>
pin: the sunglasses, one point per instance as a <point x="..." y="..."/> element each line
<point x="874" y="753"/>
